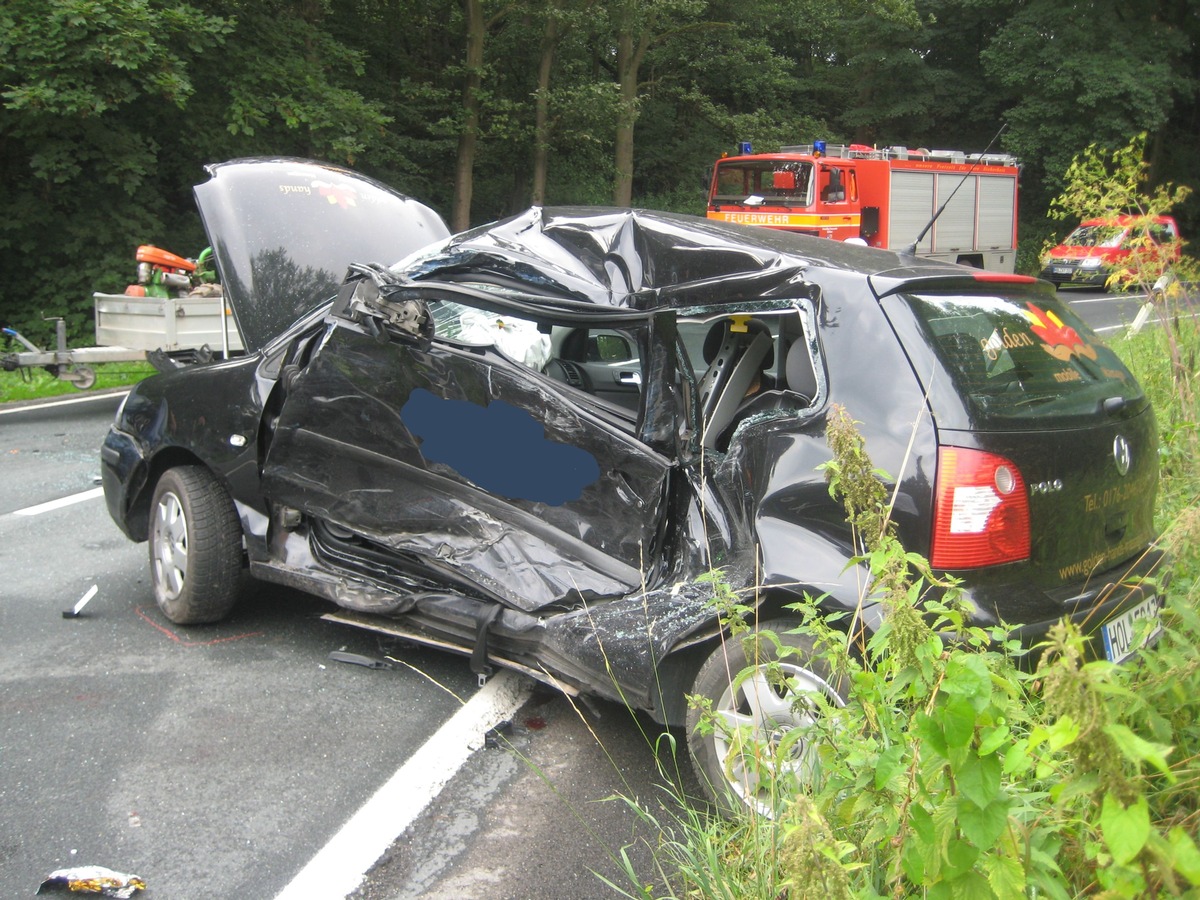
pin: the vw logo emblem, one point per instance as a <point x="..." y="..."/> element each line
<point x="1122" y="454"/>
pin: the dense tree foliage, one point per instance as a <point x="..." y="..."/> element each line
<point x="109" y="109"/>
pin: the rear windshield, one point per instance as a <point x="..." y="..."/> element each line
<point x="1016" y="358"/>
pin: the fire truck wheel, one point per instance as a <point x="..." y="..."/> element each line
<point x="195" y="547"/>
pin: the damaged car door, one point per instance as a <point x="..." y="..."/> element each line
<point x="452" y="457"/>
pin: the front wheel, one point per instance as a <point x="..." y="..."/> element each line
<point x="765" y="705"/>
<point x="195" y="546"/>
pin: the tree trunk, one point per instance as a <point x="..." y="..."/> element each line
<point x="460" y="217"/>
<point x="541" y="121"/>
<point x="631" y="50"/>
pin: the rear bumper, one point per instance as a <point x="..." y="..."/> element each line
<point x="1104" y="598"/>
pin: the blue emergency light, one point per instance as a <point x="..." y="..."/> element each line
<point x="744" y="148"/>
<point x="818" y="148"/>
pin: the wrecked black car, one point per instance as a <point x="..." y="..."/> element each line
<point x="528" y="441"/>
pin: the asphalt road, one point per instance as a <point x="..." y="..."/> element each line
<point x="210" y="761"/>
<point x="1106" y="313"/>
<point x="217" y="761"/>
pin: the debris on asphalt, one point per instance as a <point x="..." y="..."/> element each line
<point x="74" y="612"/>
<point x="500" y="736"/>
<point x="93" y="880"/>
<point x="357" y="659"/>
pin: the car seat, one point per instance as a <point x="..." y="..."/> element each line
<point x="737" y="350"/>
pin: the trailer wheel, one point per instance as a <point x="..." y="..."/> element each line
<point x="195" y="547"/>
<point x="759" y="698"/>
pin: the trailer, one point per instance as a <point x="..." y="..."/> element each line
<point x="174" y="315"/>
<point x="166" y="331"/>
<point x="941" y="204"/>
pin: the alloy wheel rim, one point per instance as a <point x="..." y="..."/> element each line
<point x="753" y="717"/>
<point x="170" y="547"/>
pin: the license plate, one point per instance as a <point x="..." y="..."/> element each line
<point x="1121" y="634"/>
<point x="1060" y="270"/>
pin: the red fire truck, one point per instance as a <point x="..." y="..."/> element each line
<point x="885" y="198"/>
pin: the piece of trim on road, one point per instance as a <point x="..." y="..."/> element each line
<point x="51" y="505"/>
<point x="342" y="864"/>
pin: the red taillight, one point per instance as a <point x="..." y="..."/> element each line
<point x="981" y="516"/>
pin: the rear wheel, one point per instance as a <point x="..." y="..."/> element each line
<point x="765" y="707"/>
<point x="195" y="546"/>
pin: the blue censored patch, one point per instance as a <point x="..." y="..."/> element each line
<point x="498" y="447"/>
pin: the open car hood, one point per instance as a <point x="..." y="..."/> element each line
<point x="284" y="231"/>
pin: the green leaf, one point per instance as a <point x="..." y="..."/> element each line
<point x="912" y="860"/>
<point x="983" y="826"/>
<point x="930" y="732"/>
<point x="1125" y="828"/>
<point x="1017" y="759"/>
<point x="971" y="886"/>
<point x="978" y="779"/>
<point x="1186" y="857"/>
<point x="1062" y="733"/>
<point x="922" y="823"/>
<point x="1006" y="875"/>
<point x="960" y="857"/>
<point x="889" y="763"/>
<point x="958" y="721"/>
<point x="967" y="675"/>
<point x="1137" y="749"/>
<point x="992" y="739"/>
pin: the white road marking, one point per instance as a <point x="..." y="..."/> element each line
<point x="52" y="505"/>
<point x="340" y="866"/>
<point x="50" y="404"/>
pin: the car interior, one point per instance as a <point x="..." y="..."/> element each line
<point x="742" y="364"/>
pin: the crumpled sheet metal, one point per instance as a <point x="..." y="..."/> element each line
<point x="93" y="880"/>
<point x="621" y="642"/>
<point x="625" y="258"/>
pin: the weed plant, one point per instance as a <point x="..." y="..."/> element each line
<point x="958" y="769"/>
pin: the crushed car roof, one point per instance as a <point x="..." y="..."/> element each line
<point x="638" y="259"/>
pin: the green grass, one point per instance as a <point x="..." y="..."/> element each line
<point x="38" y="384"/>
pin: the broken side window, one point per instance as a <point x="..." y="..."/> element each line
<point x="518" y="339"/>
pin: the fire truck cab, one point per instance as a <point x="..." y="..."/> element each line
<point x="885" y="198"/>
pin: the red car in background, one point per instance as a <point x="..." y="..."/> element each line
<point x="1098" y="248"/>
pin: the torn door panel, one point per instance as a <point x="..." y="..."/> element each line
<point x="468" y="463"/>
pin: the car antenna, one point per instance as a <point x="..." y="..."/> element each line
<point x="911" y="249"/>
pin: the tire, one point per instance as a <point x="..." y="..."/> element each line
<point x="765" y="712"/>
<point x="195" y="547"/>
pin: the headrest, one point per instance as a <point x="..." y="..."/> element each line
<point x="799" y="370"/>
